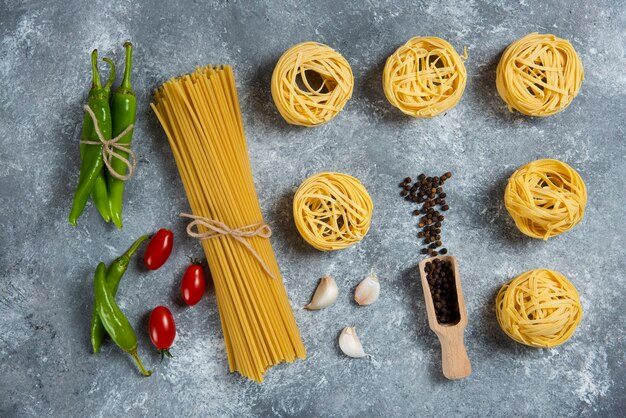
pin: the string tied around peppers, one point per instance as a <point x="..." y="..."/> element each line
<point x="108" y="147"/>
<point x="216" y="229"/>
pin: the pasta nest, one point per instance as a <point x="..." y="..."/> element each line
<point x="332" y="211"/>
<point x="311" y="84"/>
<point x="545" y="198"/>
<point x="539" y="308"/>
<point x="539" y="75"/>
<point x="424" y="77"/>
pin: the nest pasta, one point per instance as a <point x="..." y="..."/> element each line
<point x="332" y="211"/>
<point x="311" y="84"/>
<point x="424" y="77"/>
<point x="539" y="75"/>
<point x="539" y="308"/>
<point x="545" y="198"/>
<point x="201" y="118"/>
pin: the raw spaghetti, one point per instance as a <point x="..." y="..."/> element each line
<point x="332" y="211"/>
<point x="311" y="84"/>
<point x="201" y="118"/>
<point x="424" y="77"/>
<point x="539" y="75"/>
<point x="545" y="198"/>
<point x="539" y="308"/>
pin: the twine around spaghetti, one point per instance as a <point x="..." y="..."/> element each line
<point x="108" y="146"/>
<point x="216" y="229"/>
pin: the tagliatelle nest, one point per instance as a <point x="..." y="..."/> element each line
<point x="424" y="77"/>
<point x="539" y="75"/>
<point x="545" y="198"/>
<point x="539" y="308"/>
<point x="311" y="84"/>
<point x="332" y="211"/>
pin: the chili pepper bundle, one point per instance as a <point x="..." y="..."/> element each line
<point x="114" y="120"/>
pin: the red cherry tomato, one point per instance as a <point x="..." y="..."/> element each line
<point x="193" y="285"/>
<point x="159" y="249"/>
<point x="162" y="329"/>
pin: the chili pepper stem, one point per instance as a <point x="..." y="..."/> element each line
<point x="133" y="248"/>
<point x="143" y="370"/>
<point x="94" y="70"/>
<point x="111" y="79"/>
<point x="127" y="68"/>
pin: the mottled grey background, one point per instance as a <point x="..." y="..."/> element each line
<point x="46" y="266"/>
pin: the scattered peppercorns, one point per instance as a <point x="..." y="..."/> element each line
<point x="428" y="191"/>
<point x="441" y="280"/>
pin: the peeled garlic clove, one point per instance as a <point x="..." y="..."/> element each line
<point x="367" y="291"/>
<point x="325" y="294"/>
<point x="350" y="343"/>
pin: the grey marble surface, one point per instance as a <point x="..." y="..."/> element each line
<point x="46" y="266"/>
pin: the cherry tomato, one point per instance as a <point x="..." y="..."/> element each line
<point x="162" y="329"/>
<point x="193" y="285"/>
<point x="159" y="249"/>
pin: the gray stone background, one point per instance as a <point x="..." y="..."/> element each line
<point x="46" y="266"/>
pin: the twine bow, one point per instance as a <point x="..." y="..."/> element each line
<point x="109" y="147"/>
<point x="217" y="229"/>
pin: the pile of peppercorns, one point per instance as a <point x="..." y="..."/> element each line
<point x="428" y="192"/>
<point x="440" y="277"/>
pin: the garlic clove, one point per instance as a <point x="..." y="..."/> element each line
<point x="350" y="344"/>
<point x="368" y="290"/>
<point x="325" y="294"/>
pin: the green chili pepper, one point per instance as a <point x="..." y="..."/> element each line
<point x="115" y="322"/>
<point x="92" y="164"/>
<point x="113" y="276"/>
<point x="124" y="111"/>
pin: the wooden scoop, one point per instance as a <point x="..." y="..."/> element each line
<point x="454" y="361"/>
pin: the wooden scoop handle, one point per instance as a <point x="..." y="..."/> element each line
<point x="454" y="360"/>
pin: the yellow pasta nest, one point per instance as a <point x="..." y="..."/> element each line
<point x="332" y="211"/>
<point x="424" y="77"/>
<point x="539" y="75"/>
<point x="545" y="198"/>
<point x="311" y="84"/>
<point x="540" y="308"/>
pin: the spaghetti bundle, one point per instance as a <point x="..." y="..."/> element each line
<point x="545" y="198"/>
<point x="540" y="308"/>
<point x="424" y="77"/>
<point x="332" y="211"/>
<point x="295" y="90"/>
<point x="201" y="118"/>
<point x="539" y="75"/>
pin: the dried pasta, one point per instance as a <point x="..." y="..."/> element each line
<point x="545" y="198"/>
<point x="332" y="211"/>
<point x="539" y="75"/>
<point x="297" y="97"/>
<point x="424" y="77"/>
<point x="539" y="308"/>
<point x="201" y="118"/>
